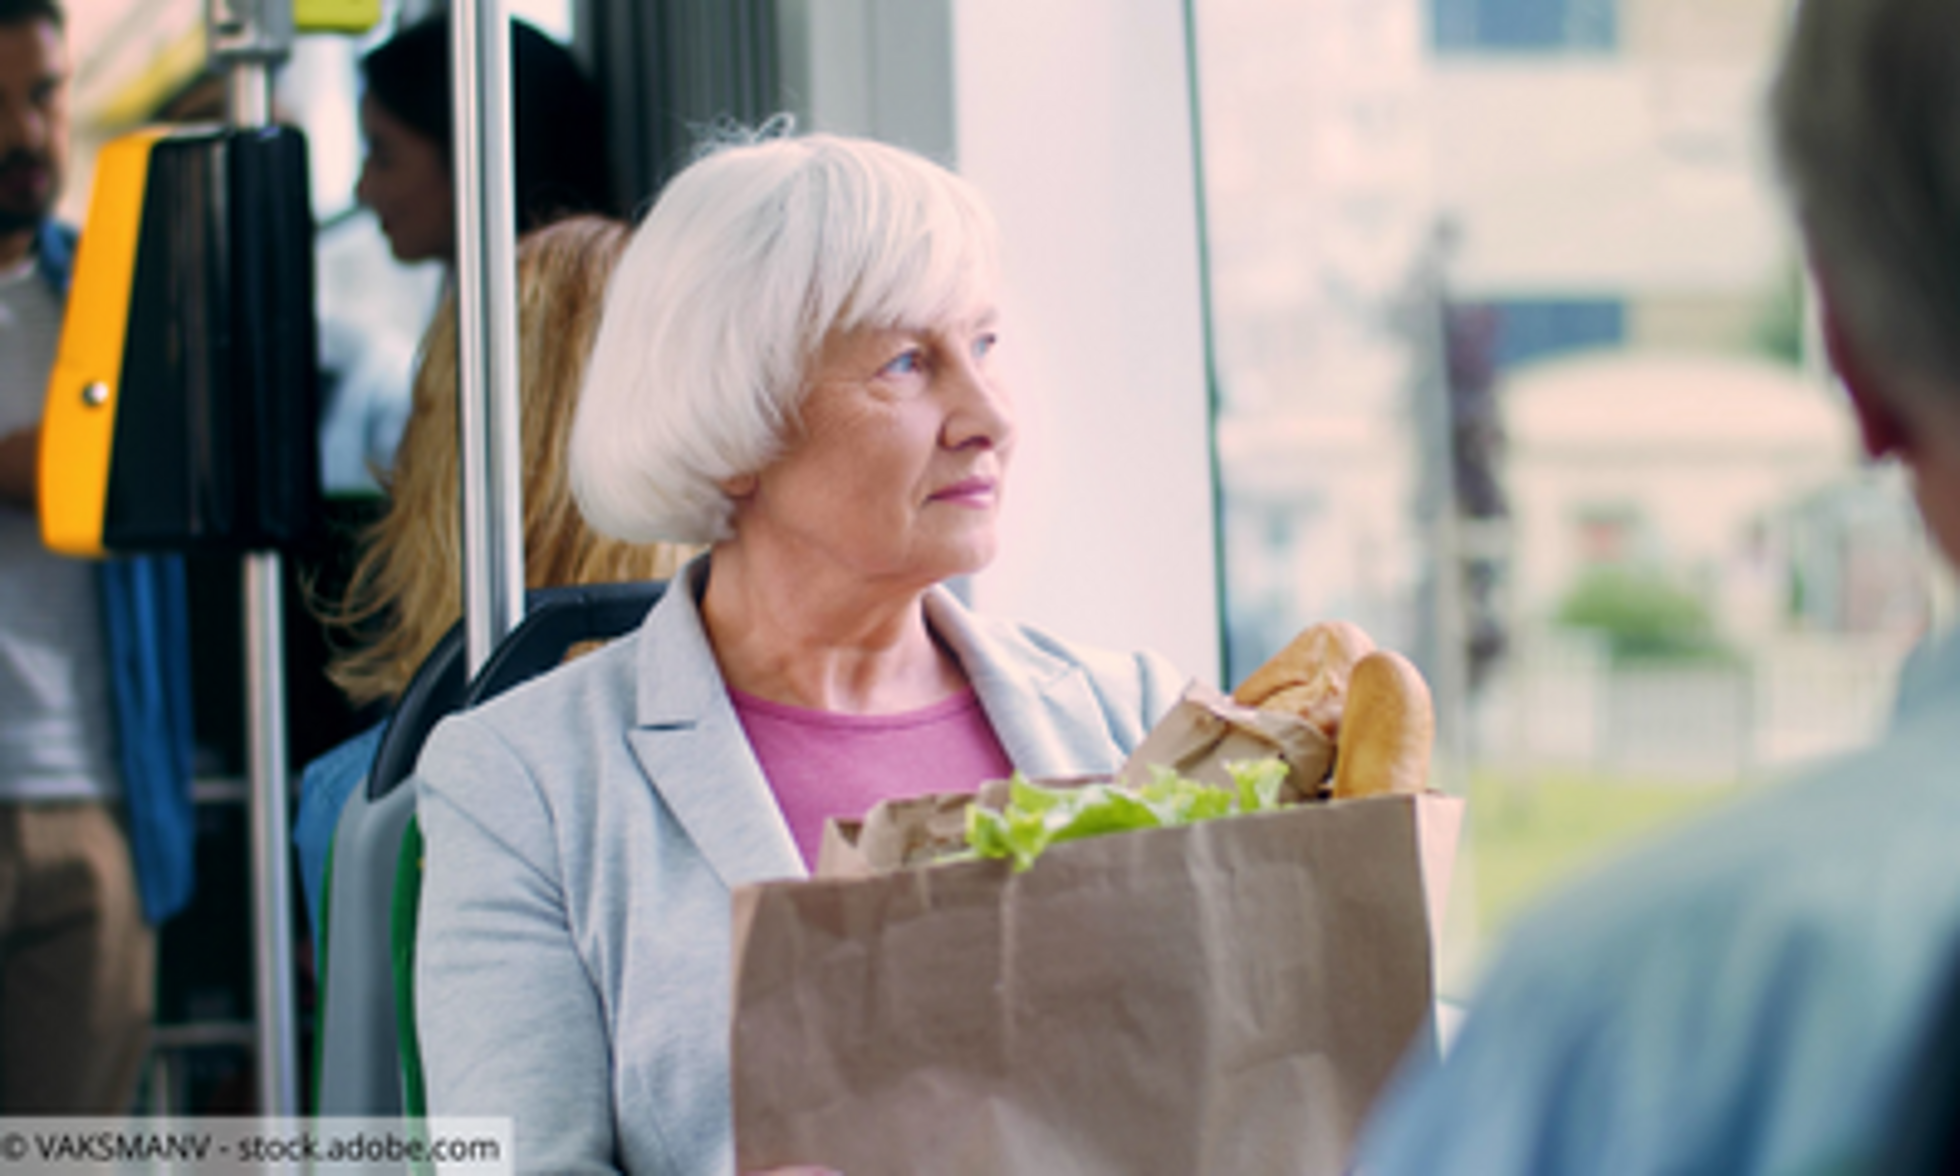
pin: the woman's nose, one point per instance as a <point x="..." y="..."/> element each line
<point x="982" y="413"/>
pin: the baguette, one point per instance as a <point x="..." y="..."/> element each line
<point x="1388" y="730"/>
<point x="1309" y="677"/>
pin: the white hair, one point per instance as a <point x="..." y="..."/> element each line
<point x="1867" y="120"/>
<point x="749" y="259"/>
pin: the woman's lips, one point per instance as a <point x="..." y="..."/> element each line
<point x="968" y="492"/>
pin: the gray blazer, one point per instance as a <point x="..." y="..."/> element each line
<point x="583" y="835"/>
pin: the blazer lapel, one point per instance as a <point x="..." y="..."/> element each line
<point x="691" y="746"/>
<point x="1043" y="710"/>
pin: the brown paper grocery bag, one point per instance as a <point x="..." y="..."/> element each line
<point x="1223" y="998"/>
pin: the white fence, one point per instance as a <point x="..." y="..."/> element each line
<point x="1561" y="704"/>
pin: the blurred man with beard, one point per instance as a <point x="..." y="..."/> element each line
<point x="94" y="719"/>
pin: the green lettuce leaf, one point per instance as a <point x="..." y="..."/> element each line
<point x="1037" y="817"/>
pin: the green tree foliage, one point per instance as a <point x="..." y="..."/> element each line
<point x="1779" y="323"/>
<point x="1642" y="615"/>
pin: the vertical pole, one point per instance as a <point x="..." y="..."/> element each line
<point x="265" y="681"/>
<point x="246" y="37"/>
<point x="1441" y="518"/>
<point x="486" y="289"/>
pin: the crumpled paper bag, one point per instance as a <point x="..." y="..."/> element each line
<point x="1227" y="997"/>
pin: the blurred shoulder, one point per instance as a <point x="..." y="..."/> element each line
<point x="1824" y="847"/>
<point x="1738" y="991"/>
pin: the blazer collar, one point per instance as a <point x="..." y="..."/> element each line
<point x="692" y="748"/>
<point x="1042" y="708"/>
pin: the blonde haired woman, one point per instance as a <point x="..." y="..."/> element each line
<point x="405" y="590"/>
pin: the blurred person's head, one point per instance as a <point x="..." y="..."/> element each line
<point x="33" y="116"/>
<point x="405" y="591"/>
<point x="1867" y="113"/>
<point x="407" y="179"/>
<point x="763" y="267"/>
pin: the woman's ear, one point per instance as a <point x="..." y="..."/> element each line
<point x="1884" y="430"/>
<point x="740" y="487"/>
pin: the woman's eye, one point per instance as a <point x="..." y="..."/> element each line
<point x="984" y="345"/>
<point x="905" y="364"/>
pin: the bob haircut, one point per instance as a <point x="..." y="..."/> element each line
<point x="1867" y="118"/>
<point x="755" y="253"/>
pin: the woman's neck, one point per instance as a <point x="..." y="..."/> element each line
<point x="828" y="642"/>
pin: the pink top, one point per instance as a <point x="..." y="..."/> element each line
<point x="821" y="764"/>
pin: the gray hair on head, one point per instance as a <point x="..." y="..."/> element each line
<point x="750" y="258"/>
<point x="1867" y="125"/>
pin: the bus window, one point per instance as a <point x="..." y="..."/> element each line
<point x="1509" y="335"/>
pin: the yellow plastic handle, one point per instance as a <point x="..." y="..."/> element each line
<point x="78" y="422"/>
<point x="335" y="16"/>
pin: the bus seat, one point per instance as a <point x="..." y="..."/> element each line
<point x="355" y="1049"/>
<point x="368" y="1060"/>
<point x="438" y="687"/>
<point x="557" y="621"/>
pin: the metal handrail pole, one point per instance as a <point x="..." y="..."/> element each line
<point x="247" y="37"/>
<point x="273" y="981"/>
<point x="486" y="295"/>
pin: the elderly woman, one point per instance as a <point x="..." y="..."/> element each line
<point x="796" y="366"/>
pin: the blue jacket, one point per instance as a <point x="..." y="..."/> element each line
<point x="582" y="836"/>
<point x="146" y="626"/>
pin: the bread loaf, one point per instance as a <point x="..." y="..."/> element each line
<point x="1309" y="677"/>
<point x="1389" y="727"/>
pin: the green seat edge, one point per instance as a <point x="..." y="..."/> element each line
<point x="401" y="939"/>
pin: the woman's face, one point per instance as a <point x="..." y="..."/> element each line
<point x="405" y="180"/>
<point x="897" y="473"/>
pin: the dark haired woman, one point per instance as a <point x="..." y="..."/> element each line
<point x="408" y="177"/>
